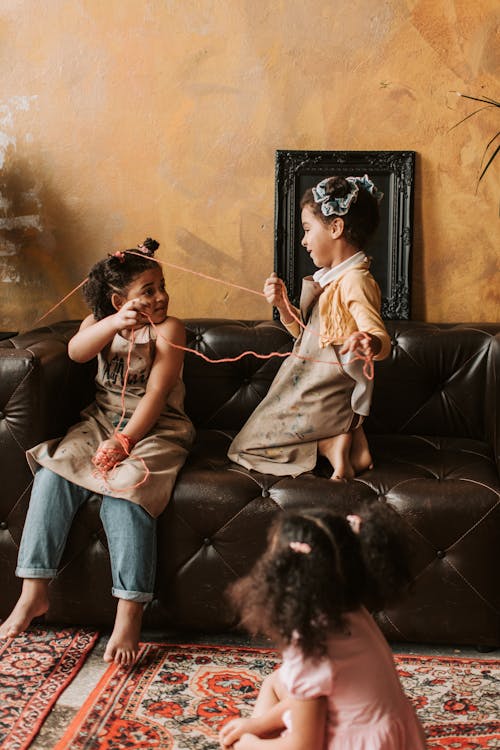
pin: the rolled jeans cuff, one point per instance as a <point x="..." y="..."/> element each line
<point x="35" y="573"/>
<point x="132" y="596"/>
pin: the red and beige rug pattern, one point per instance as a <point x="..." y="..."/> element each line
<point x="177" y="697"/>
<point x="35" y="668"/>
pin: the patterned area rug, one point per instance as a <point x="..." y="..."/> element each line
<point x="35" y="668"/>
<point x="178" y="697"/>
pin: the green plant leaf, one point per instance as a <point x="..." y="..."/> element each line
<point x="487" y="147"/>
<point x="485" y="100"/>
<point x="471" y="115"/>
<point x="495" y="152"/>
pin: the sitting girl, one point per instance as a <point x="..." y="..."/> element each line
<point x="129" y="447"/>
<point x="320" y="396"/>
<point x="337" y="686"/>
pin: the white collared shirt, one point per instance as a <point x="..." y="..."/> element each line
<point x="324" y="276"/>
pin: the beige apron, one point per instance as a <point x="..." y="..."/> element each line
<point x="308" y="401"/>
<point x="164" y="449"/>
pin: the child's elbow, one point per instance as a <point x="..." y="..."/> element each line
<point x="77" y="359"/>
<point x="76" y="355"/>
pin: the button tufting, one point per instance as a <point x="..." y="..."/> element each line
<point x="3" y="525"/>
<point x="199" y="337"/>
<point x="207" y="542"/>
<point x="265" y="493"/>
<point x="440" y="553"/>
<point x="2" y="414"/>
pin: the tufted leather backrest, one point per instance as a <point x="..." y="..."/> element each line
<point x="439" y="379"/>
<point x="434" y="382"/>
<point x="439" y="384"/>
<point x="222" y="396"/>
<point x="41" y="394"/>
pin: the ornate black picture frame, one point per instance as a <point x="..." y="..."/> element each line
<point x="390" y="248"/>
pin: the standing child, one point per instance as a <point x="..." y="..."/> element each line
<point x="337" y="687"/>
<point x="129" y="447"/>
<point x="320" y="396"/>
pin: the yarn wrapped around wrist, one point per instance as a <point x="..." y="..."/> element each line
<point x="126" y="442"/>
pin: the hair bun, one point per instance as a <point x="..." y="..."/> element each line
<point x="150" y="246"/>
<point x="338" y="187"/>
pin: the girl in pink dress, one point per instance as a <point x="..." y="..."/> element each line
<point x="337" y="687"/>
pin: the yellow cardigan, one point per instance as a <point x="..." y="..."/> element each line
<point x="350" y="303"/>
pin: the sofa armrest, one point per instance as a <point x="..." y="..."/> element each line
<point x="41" y="393"/>
<point x="492" y="404"/>
<point x="41" y="390"/>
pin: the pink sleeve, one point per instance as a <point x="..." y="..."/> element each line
<point x="304" y="678"/>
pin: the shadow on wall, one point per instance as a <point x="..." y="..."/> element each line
<point x="35" y="227"/>
<point x="249" y="265"/>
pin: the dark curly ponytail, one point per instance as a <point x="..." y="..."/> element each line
<point x="316" y="569"/>
<point x="114" y="274"/>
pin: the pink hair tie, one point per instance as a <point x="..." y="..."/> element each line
<point x="354" y="522"/>
<point x="303" y="548"/>
<point x="119" y="254"/>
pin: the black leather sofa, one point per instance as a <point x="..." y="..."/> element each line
<point x="434" y="433"/>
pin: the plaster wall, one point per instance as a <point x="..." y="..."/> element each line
<point x="128" y="118"/>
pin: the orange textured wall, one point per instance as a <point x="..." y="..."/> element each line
<point x="128" y="118"/>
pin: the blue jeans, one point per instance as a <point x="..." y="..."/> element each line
<point x="130" y="530"/>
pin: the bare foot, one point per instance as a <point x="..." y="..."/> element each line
<point x="337" y="449"/>
<point x="33" y="602"/>
<point x="360" y="456"/>
<point x="123" y="645"/>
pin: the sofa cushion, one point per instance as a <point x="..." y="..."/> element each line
<point x="447" y="490"/>
<point x="434" y="432"/>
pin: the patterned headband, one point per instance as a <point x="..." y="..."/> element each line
<point x="340" y="206"/>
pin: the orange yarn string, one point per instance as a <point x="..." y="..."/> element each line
<point x="254" y="354"/>
<point x="367" y="367"/>
<point x="198" y="273"/>
<point x="38" y="320"/>
<point x="368" y="360"/>
<point x="368" y="371"/>
<point x="107" y="470"/>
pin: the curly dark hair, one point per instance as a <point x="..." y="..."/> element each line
<point x="363" y="217"/>
<point x="114" y="274"/>
<point x="302" y="597"/>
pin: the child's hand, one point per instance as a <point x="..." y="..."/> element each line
<point x="234" y="729"/>
<point x="274" y="291"/>
<point x="130" y="315"/>
<point x="109" y="453"/>
<point x="246" y="742"/>
<point x="361" y="343"/>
